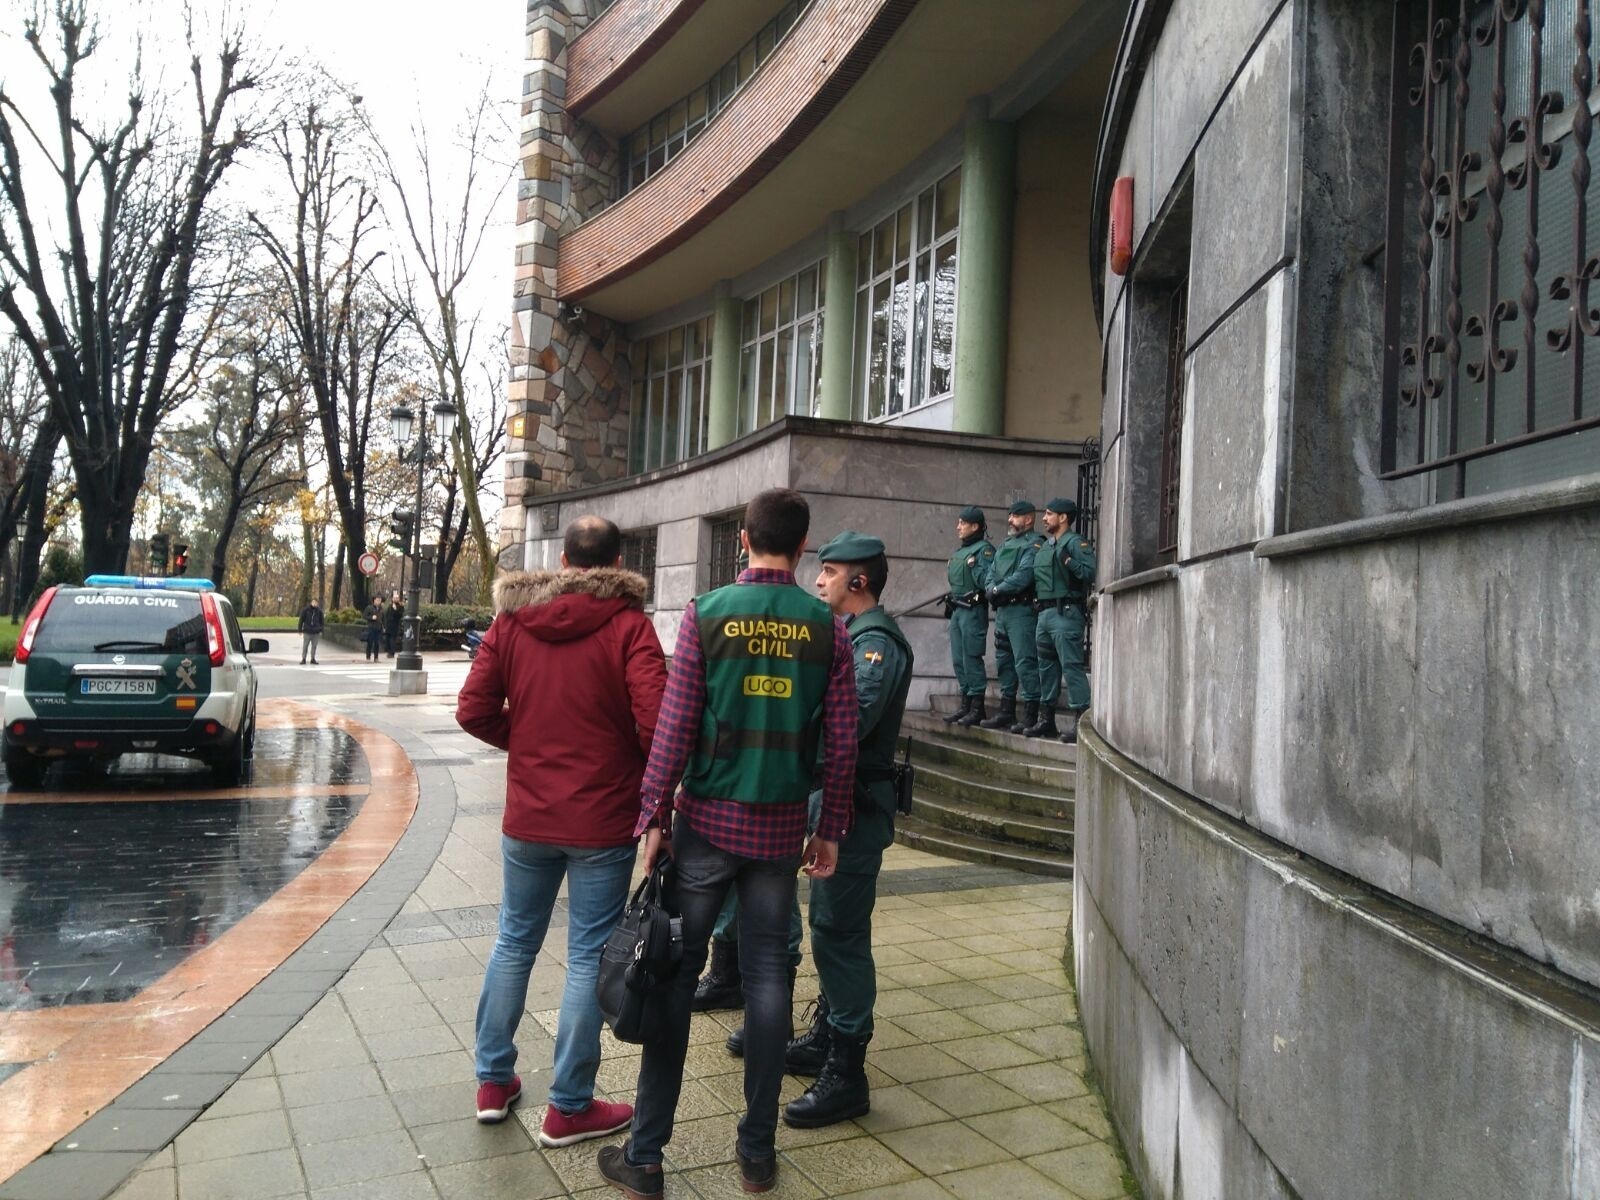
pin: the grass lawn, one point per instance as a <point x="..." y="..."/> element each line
<point x="270" y="624"/>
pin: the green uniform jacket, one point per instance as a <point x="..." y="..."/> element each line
<point x="1064" y="570"/>
<point x="883" y="661"/>
<point x="1013" y="564"/>
<point x="969" y="568"/>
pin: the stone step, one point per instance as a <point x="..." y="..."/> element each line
<point x="919" y="835"/>
<point x="1039" y="749"/>
<point x="1053" y="833"/>
<point x="988" y="790"/>
<point x="971" y="764"/>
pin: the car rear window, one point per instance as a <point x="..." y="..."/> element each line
<point x="130" y="622"/>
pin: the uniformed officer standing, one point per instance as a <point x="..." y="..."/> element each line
<point x="853" y="574"/>
<point x="1063" y="574"/>
<point x="1010" y="594"/>
<point x="969" y="618"/>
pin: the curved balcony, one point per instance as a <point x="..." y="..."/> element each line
<point x="623" y="37"/>
<point x="807" y="76"/>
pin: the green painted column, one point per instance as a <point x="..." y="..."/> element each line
<point x="839" y="323"/>
<point x="724" y="417"/>
<point x="983" y="287"/>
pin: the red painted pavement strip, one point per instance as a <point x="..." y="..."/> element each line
<point x="97" y="1051"/>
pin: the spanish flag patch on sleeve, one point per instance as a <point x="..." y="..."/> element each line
<point x="873" y="656"/>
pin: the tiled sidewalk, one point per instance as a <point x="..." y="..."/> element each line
<point x="977" y="1066"/>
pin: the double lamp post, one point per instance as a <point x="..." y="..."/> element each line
<point x="422" y="451"/>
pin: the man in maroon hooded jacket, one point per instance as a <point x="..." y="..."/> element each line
<point x="568" y="682"/>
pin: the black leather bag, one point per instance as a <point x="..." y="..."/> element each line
<point x="640" y="960"/>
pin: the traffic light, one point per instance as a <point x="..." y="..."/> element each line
<point x="180" y="558"/>
<point x="157" y="564"/>
<point x="401" y="523"/>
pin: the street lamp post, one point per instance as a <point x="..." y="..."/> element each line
<point x="401" y="420"/>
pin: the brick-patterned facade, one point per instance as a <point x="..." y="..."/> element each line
<point x="628" y="34"/>
<point x="569" y="374"/>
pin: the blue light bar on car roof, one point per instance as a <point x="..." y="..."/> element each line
<point x="177" y="584"/>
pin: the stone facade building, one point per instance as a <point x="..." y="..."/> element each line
<point x="830" y="244"/>
<point x="1337" y="926"/>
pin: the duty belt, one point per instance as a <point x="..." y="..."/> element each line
<point x="1008" y="601"/>
<point x="1059" y="603"/>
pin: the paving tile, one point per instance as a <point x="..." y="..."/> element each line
<point x="1051" y="1041"/>
<point x="388" y="1019"/>
<point x="1041" y="1081"/>
<point x="369" y="1156"/>
<point x="248" y="1096"/>
<point x="958" y="994"/>
<point x="1087" y="1113"/>
<point x="940" y="1025"/>
<point x="1091" y="1171"/>
<point x="915" y="1189"/>
<point x="404" y="1074"/>
<point x="341" y="1119"/>
<point x="465" y="1140"/>
<point x="896" y="1002"/>
<point x="1003" y="1017"/>
<point x="318" y="1054"/>
<point x="989" y="1051"/>
<point x="855" y="1164"/>
<point x="722" y="1182"/>
<point x="412" y="1043"/>
<point x="249" y="1177"/>
<point x="442" y="1102"/>
<point x="507" y="1177"/>
<point x="968" y="1095"/>
<point x="117" y="1128"/>
<point x="909" y="1064"/>
<point x="889" y="1035"/>
<point x="231" y="1137"/>
<point x="940" y="1149"/>
<point x="417" y="1186"/>
<point x="922" y="974"/>
<point x="168" y="1089"/>
<point x="1005" y="1179"/>
<point x="1020" y="987"/>
<point x="702" y="1143"/>
<point x="900" y="1107"/>
<point x="1029" y="1130"/>
<point x="575" y="1165"/>
<point x="158" y="1184"/>
<point x="306" y="1088"/>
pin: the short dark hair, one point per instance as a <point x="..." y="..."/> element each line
<point x="875" y="570"/>
<point x="592" y="542"/>
<point x="777" y="521"/>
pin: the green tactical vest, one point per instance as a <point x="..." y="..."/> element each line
<point x="1049" y="580"/>
<point x="964" y="579"/>
<point x="1005" y="558"/>
<point x="877" y="750"/>
<point x="1075" y="589"/>
<point x="768" y="654"/>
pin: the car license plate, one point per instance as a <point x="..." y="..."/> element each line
<point x="119" y="687"/>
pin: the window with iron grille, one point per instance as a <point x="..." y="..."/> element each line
<point x="1489" y="254"/>
<point x="725" y="550"/>
<point x="639" y="554"/>
<point x="1172" y="422"/>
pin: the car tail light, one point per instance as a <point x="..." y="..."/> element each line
<point x="31" y="629"/>
<point x="18" y="728"/>
<point x="211" y="728"/>
<point x="215" y="643"/>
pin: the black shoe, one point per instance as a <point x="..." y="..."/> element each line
<point x="1030" y="714"/>
<point x="840" y="1092"/>
<point x="1070" y="733"/>
<point x="757" y="1174"/>
<point x="807" y="1053"/>
<point x="637" y="1183"/>
<point x="313" y="662"/>
<point x="963" y="710"/>
<point x="1045" y="726"/>
<point x="975" y="714"/>
<point x="1005" y="716"/>
<point x="721" y="986"/>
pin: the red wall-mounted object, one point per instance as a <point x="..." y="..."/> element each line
<point x="1121" y="224"/>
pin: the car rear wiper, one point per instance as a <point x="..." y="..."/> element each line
<point x="129" y="645"/>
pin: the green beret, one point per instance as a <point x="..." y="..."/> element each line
<point x="972" y="513"/>
<point x="1022" y="508"/>
<point x="850" y="546"/>
<point x="1064" y="507"/>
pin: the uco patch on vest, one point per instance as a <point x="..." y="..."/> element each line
<point x="774" y="686"/>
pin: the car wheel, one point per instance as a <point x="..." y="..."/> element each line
<point x="232" y="766"/>
<point x="25" y="772"/>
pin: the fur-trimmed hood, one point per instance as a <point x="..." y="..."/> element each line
<point x="560" y="606"/>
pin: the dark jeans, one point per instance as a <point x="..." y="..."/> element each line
<point x="766" y="889"/>
<point x="374" y="636"/>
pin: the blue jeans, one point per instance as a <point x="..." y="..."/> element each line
<point x="597" y="891"/>
<point x="766" y="889"/>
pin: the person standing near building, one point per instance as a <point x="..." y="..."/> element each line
<point x="393" y="616"/>
<point x="854" y="571"/>
<point x="968" y="573"/>
<point x="1010" y="595"/>
<point x="1063" y="576"/>
<point x="568" y="682"/>
<point x="762" y="677"/>
<point x="311" y="624"/>
<point x="373" y="614"/>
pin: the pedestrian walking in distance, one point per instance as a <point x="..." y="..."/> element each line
<point x="762" y="676"/>
<point x="568" y="682"/>
<point x="373" y="615"/>
<point x="392" y="617"/>
<point x="311" y="623"/>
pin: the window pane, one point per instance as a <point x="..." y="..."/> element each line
<point x="902" y="235"/>
<point x="769" y="310"/>
<point x="803" y="395"/>
<point x="878" y="370"/>
<point x="747" y="62"/>
<point x="658" y="354"/>
<point x="637" y="357"/>
<point x="944" y="319"/>
<point x="658" y="131"/>
<point x="653" y="452"/>
<point x="695" y="403"/>
<point x="816" y="367"/>
<point x="864" y="259"/>
<point x="729" y="82"/>
<point x="783" y="378"/>
<point x="949" y="207"/>
<point x="899" y="327"/>
<point x="675" y="349"/>
<point x="861" y="357"/>
<point x="695" y="349"/>
<point x="657" y="160"/>
<point x="748" y="329"/>
<point x="882" y="245"/>
<point x="822" y="283"/>
<point x="786" y="302"/>
<point x="636" y="427"/>
<point x="710" y="324"/>
<point x="924" y="219"/>
<point x="806" y="294"/>
<point x="747" y="389"/>
<point x="677" y="117"/>
<point x="785" y="19"/>
<point x="765" y="41"/>
<point x="764" y="395"/>
<point x="698" y="104"/>
<point x="923" y="299"/>
<point x="672" y="423"/>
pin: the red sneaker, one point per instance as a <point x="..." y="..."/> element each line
<point x="495" y="1100"/>
<point x="600" y="1118"/>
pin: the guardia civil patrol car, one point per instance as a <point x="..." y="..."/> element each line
<point x="126" y="664"/>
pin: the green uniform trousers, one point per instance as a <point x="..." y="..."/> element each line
<point x="1016" y="658"/>
<point x="969" y="630"/>
<point x="1060" y="643"/>
<point x="841" y="916"/>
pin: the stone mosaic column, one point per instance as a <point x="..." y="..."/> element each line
<point x="983" y="284"/>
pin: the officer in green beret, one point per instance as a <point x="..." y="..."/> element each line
<point x="854" y="571"/>
<point x="965" y="609"/>
<point x="1063" y="576"/>
<point x="1010" y="595"/>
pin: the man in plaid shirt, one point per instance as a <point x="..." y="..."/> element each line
<point x="762" y="675"/>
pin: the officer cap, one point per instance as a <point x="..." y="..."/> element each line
<point x="1022" y="508"/>
<point x="972" y="513"/>
<point x="1066" y="508"/>
<point x="850" y="546"/>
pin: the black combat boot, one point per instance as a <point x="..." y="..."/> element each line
<point x="1070" y="733"/>
<point x="1005" y="716"/>
<point x="1045" y="726"/>
<point x="840" y="1092"/>
<point x="721" y="986"/>
<point x="1030" y="714"/>
<point x="964" y="708"/>
<point x="735" y="1042"/>
<point x="807" y="1053"/>
<point x="975" y="714"/>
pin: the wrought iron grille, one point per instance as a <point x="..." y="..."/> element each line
<point x="1088" y="523"/>
<point x="725" y="550"/>
<point x="1487" y="258"/>
<point x="639" y="554"/>
<point x="1172" y="425"/>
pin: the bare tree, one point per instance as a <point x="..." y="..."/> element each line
<point x="29" y="437"/>
<point x="446" y="234"/>
<point x="119" y="305"/>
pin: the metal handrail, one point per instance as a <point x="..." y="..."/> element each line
<point x="934" y="599"/>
